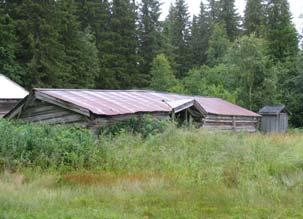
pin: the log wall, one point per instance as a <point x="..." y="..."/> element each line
<point x="39" y="111"/>
<point x="235" y="123"/>
<point x="6" y="106"/>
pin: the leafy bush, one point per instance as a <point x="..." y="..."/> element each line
<point x="145" y="126"/>
<point x="64" y="147"/>
<point x="180" y="172"/>
<point x="46" y="146"/>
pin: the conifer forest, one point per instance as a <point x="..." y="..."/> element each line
<point x="250" y="60"/>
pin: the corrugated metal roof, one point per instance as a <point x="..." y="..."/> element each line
<point x="119" y="102"/>
<point x="272" y="109"/>
<point x="221" y="107"/>
<point x="10" y="89"/>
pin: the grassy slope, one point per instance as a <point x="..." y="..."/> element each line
<point x="178" y="174"/>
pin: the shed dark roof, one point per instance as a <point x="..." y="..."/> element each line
<point x="272" y="109"/>
<point x="119" y="102"/>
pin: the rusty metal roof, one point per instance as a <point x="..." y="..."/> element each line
<point x="120" y="102"/>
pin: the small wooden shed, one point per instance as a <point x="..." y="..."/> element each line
<point x="274" y="119"/>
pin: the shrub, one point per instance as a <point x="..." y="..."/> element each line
<point x="46" y="146"/>
<point x="144" y="126"/>
<point x="65" y="147"/>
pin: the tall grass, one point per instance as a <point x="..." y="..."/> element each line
<point x="180" y="173"/>
<point x="26" y="145"/>
<point x="65" y="147"/>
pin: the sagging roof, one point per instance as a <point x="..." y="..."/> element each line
<point x="11" y="90"/>
<point x="121" y="102"/>
<point x="273" y="110"/>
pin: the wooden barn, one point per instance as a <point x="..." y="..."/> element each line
<point x="10" y="94"/>
<point x="274" y="119"/>
<point x="95" y="108"/>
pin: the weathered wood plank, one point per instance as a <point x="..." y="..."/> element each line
<point x="46" y="116"/>
<point x="230" y="121"/>
<point x="62" y="104"/>
<point x="230" y="117"/>
<point x="41" y="110"/>
<point x="76" y="118"/>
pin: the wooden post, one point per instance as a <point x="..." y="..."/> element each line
<point x="173" y="115"/>
<point x="186" y="117"/>
<point x="190" y="120"/>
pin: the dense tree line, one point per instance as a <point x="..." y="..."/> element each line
<point x="118" y="44"/>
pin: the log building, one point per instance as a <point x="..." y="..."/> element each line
<point x="95" y="108"/>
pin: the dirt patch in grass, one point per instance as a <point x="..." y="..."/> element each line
<point x="108" y="179"/>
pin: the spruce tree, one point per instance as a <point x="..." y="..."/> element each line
<point x="229" y="17"/>
<point x="124" y="57"/>
<point x="106" y="76"/>
<point x="96" y="14"/>
<point x="150" y="40"/>
<point x="213" y="10"/>
<point x="200" y="32"/>
<point x="254" y="18"/>
<point x="179" y="36"/>
<point x="163" y="78"/>
<point x="218" y="45"/>
<point x="39" y="53"/>
<point x="89" y="13"/>
<point x="81" y="57"/>
<point x="167" y="47"/>
<point x="8" y="47"/>
<point x="281" y="33"/>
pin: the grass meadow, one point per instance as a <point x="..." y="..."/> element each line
<point x="59" y="172"/>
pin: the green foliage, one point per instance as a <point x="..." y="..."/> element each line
<point x="95" y="16"/>
<point x="40" y="52"/>
<point x="108" y="44"/>
<point x="296" y="95"/>
<point x="150" y="39"/>
<point x="81" y="55"/>
<point x="179" y="34"/>
<point x="24" y="145"/>
<point x="218" y="45"/>
<point x="280" y="31"/>
<point x="229" y="17"/>
<point x="214" y="10"/>
<point x="255" y="17"/>
<point x="176" y="174"/>
<point x="208" y="81"/>
<point x="253" y="76"/>
<point x="52" y="49"/>
<point x="64" y="147"/>
<point x="8" y="47"/>
<point x="200" y="31"/>
<point x="163" y="78"/>
<point x="144" y="126"/>
<point x="123" y="60"/>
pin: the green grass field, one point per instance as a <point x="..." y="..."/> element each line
<point x="180" y="173"/>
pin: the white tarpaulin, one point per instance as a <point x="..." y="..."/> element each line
<point x="10" y="89"/>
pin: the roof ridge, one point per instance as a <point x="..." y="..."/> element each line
<point x="126" y="90"/>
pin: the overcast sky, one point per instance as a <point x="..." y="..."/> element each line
<point x="296" y="7"/>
